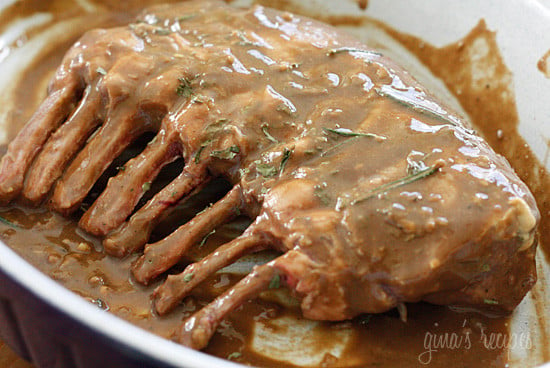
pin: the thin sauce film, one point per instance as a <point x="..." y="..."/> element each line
<point x="58" y="248"/>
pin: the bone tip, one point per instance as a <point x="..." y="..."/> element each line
<point x="194" y="335"/>
<point x="161" y="304"/>
<point x="113" y="248"/>
<point x="8" y="192"/>
<point x="163" y="300"/>
<point x="32" y="196"/>
<point x="93" y="224"/>
<point x="61" y="204"/>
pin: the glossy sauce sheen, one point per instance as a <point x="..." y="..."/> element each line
<point x="383" y="339"/>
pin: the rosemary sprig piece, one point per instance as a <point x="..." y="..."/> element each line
<point x="399" y="182"/>
<point x="350" y="133"/>
<point x="269" y="136"/>
<point x="161" y="31"/>
<point x="275" y="282"/>
<point x="338" y="145"/>
<point x="423" y="106"/>
<point x="186" y="17"/>
<point x="203" y="241"/>
<point x="350" y="49"/>
<point x="286" y="156"/>
<point x="197" y="157"/>
<point x="226" y="154"/>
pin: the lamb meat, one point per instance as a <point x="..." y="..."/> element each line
<point x="375" y="193"/>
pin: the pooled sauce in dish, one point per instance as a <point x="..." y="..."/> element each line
<point x="58" y="248"/>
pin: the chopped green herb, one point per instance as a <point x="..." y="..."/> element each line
<point x="121" y="168"/>
<point x="146" y="187"/>
<point x="162" y="31"/>
<point x="347" y="49"/>
<point x="204" y="210"/>
<point x="285" y="108"/>
<point x="197" y="156"/>
<point x="198" y="99"/>
<point x="226" y="154"/>
<point x="244" y="41"/>
<point x="275" y="282"/>
<point x="214" y="128"/>
<point x="101" y="71"/>
<point x="399" y="182"/>
<point x="414" y="167"/>
<point x="266" y="170"/>
<point x="485" y="267"/>
<point x="244" y="172"/>
<point x="490" y="301"/>
<point x="186" y="17"/>
<point x="269" y="136"/>
<point x="100" y="303"/>
<point x="185" y="88"/>
<point x="286" y="156"/>
<point x="188" y="277"/>
<point x="8" y="222"/>
<point x="203" y="241"/>
<point x="349" y="133"/>
<point x="320" y="193"/>
<point x="234" y="355"/>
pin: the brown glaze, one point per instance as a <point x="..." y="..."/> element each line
<point x="369" y="338"/>
<point x="490" y="104"/>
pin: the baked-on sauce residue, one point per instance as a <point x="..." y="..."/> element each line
<point x="363" y="4"/>
<point x="543" y="66"/>
<point x="58" y="248"/>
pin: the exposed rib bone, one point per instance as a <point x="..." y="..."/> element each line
<point x="61" y="147"/>
<point x="23" y="149"/>
<point x="135" y="233"/>
<point x="112" y="139"/>
<point x="197" y="330"/>
<point x="124" y="191"/>
<point x="176" y="287"/>
<point x="162" y="255"/>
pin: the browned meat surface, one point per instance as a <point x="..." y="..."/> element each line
<point x="376" y="193"/>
